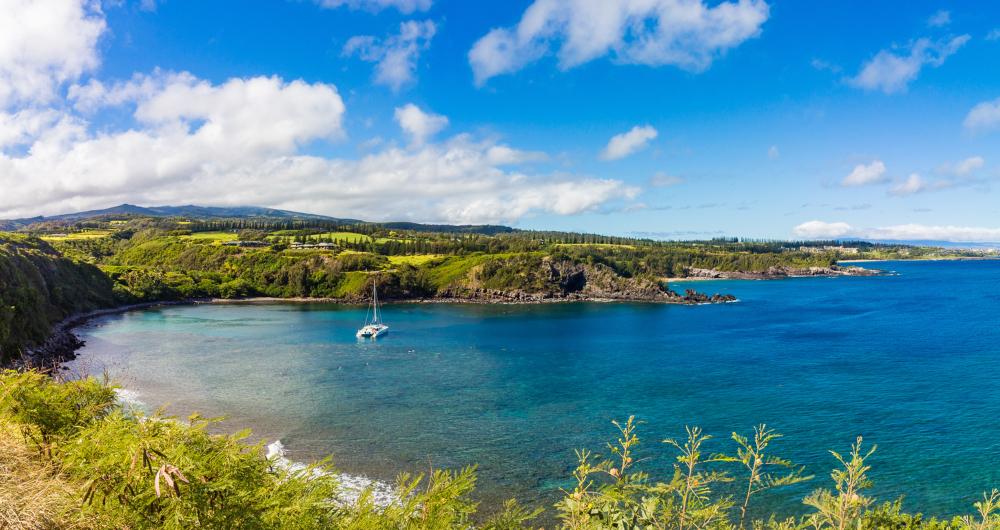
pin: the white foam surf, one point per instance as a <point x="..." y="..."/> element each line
<point x="351" y="486"/>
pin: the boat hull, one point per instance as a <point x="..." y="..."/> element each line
<point x="372" y="332"/>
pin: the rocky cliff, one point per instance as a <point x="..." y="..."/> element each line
<point x="547" y="279"/>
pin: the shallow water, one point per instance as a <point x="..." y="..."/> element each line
<point x="910" y="361"/>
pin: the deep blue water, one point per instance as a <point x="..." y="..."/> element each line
<point x="909" y="361"/>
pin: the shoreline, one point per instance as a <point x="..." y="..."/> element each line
<point x="62" y="343"/>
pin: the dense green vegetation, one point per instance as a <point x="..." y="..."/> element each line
<point x="71" y="457"/>
<point x="39" y="287"/>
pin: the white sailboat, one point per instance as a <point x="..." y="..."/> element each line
<point x="373" y="328"/>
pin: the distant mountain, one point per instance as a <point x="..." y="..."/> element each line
<point x="191" y="211"/>
<point x="489" y="230"/>
<point x="187" y="211"/>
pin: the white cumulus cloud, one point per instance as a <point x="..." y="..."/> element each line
<point x="240" y="142"/>
<point x="688" y="34"/>
<point x="175" y="138"/>
<point x="821" y="230"/>
<point x="891" y="71"/>
<point x="45" y="43"/>
<point x="864" y="174"/>
<point x="396" y="56"/>
<point x="983" y="117"/>
<point x="626" y="143"/>
<point x="419" y="125"/>
<point x="901" y="232"/>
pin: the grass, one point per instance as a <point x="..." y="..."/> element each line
<point x="454" y="268"/>
<point x="215" y="237"/>
<point x="349" y="237"/>
<point x="33" y="493"/>
<point x="353" y="283"/>
<point x="415" y="260"/>
<point x="78" y="236"/>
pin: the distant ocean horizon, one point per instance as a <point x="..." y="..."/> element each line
<point x="910" y="361"/>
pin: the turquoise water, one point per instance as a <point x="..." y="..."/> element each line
<point x="910" y="361"/>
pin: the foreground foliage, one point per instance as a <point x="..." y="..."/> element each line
<point x="71" y="457"/>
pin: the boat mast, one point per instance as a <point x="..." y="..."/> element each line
<point x="374" y="304"/>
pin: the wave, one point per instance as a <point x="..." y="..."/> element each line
<point x="129" y="401"/>
<point x="351" y="486"/>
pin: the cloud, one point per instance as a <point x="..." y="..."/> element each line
<point x="994" y="34"/>
<point x="404" y="6"/>
<point x="688" y="34"/>
<point x="903" y="232"/>
<point x="940" y="19"/>
<point x="395" y="56"/>
<point x="663" y="180"/>
<point x="913" y="184"/>
<point x="260" y="114"/>
<point x="773" y="153"/>
<point x="983" y="117"/>
<point x="864" y="174"/>
<point x="965" y="167"/>
<point x="626" y="143"/>
<point x="172" y="137"/>
<point x="959" y="174"/>
<point x="891" y="71"/>
<point x="821" y="65"/>
<point x="45" y="43"/>
<point x="19" y="127"/>
<point x="241" y="142"/>
<point x="821" y="230"/>
<point x="419" y="125"/>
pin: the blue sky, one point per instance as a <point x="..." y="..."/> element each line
<point x="749" y="118"/>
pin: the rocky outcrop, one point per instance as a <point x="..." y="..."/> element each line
<point x="781" y="272"/>
<point x="564" y="280"/>
<point x="60" y="346"/>
<point x="61" y="343"/>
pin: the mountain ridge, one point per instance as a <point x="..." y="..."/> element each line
<point x="193" y="211"/>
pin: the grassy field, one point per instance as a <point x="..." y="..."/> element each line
<point x="217" y="237"/>
<point x="454" y="268"/>
<point x="336" y="237"/>
<point x="77" y="236"/>
<point x="415" y="260"/>
<point x="352" y="284"/>
<point x="594" y="245"/>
